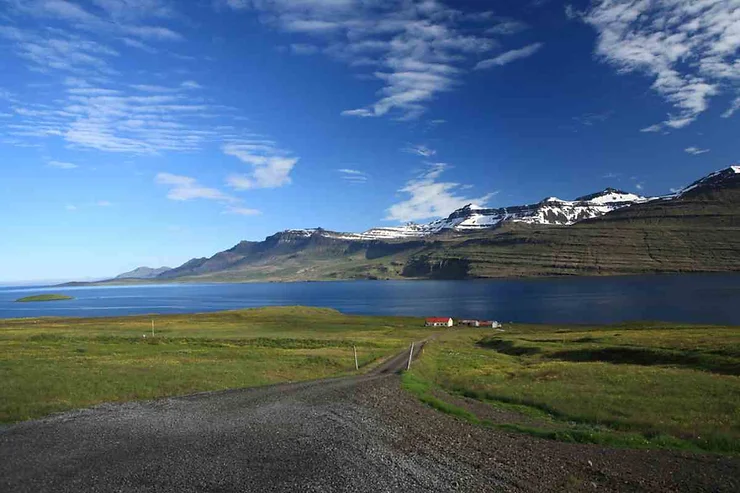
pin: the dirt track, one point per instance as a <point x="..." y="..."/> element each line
<point x="349" y="434"/>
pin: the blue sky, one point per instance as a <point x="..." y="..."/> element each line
<point x="147" y="132"/>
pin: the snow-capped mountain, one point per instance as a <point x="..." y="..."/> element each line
<point x="718" y="179"/>
<point x="694" y="229"/>
<point x="550" y="211"/>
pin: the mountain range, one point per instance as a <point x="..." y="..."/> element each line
<point x="611" y="232"/>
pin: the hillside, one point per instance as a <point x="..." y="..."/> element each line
<point x="607" y="233"/>
<point x="143" y="273"/>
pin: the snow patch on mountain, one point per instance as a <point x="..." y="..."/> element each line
<point x="550" y="211"/>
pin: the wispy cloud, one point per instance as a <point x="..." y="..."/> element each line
<point x="103" y="203"/>
<point x="735" y="106"/>
<point x="121" y="18"/>
<point x="353" y="175"/>
<point x="695" y="151"/>
<point x="417" y="50"/>
<point x="100" y="105"/>
<point x="653" y="128"/>
<point x="420" y="150"/>
<point x="507" y="27"/>
<point x="271" y="166"/>
<point x="689" y="49"/>
<point x="60" y="51"/>
<point x="70" y="207"/>
<point x="611" y="176"/>
<point x="509" y="56"/>
<point x="148" y="121"/>
<point x="591" y="119"/>
<point x="62" y="165"/>
<point x="191" y="84"/>
<point x="304" y="49"/>
<point x="430" y="198"/>
<point x="242" y="211"/>
<point x="183" y="188"/>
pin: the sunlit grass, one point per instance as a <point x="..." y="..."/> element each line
<point x="55" y="364"/>
<point x="636" y="385"/>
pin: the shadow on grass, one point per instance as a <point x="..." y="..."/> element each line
<point x="650" y="357"/>
<point x="724" y="363"/>
<point x="508" y="347"/>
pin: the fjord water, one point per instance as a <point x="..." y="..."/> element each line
<point x="677" y="298"/>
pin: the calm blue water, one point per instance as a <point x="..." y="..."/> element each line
<point x="680" y="298"/>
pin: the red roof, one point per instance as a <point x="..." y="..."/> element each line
<point x="438" y="319"/>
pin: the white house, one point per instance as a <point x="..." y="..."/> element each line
<point x="439" y="322"/>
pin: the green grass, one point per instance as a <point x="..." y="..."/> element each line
<point x="635" y="385"/>
<point x="56" y="364"/>
<point x="44" y="297"/>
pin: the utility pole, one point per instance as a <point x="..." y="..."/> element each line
<point x="354" y="348"/>
<point x="411" y="355"/>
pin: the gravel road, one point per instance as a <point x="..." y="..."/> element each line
<point x="356" y="434"/>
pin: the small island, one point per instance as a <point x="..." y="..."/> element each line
<point x="44" y="297"/>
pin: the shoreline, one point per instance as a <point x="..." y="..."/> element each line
<point x="162" y="282"/>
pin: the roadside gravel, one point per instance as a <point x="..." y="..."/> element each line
<point x="355" y="434"/>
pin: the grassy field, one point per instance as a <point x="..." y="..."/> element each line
<point x="55" y="364"/>
<point x="44" y="297"/>
<point x="637" y="385"/>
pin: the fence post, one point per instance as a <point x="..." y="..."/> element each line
<point x="354" y="348"/>
<point x="411" y="355"/>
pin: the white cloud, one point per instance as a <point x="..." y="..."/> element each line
<point x="103" y="203"/>
<point x="134" y="9"/>
<point x="304" y="49"/>
<point x="70" y="207"/>
<point x="242" y="211"/>
<point x="420" y="150"/>
<point x="652" y="128"/>
<point x="110" y="120"/>
<point x="507" y="27"/>
<point x="119" y="18"/>
<point x="430" y="198"/>
<point x="271" y="166"/>
<point x="183" y="188"/>
<point x="571" y="12"/>
<point x="611" y="175"/>
<point x="152" y="88"/>
<point x="152" y="33"/>
<point x="353" y="175"/>
<point x="98" y="109"/>
<point x="732" y="109"/>
<point x="62" y="165"/>
<point x="509" y="56"/>
<point x="135" y="43"/>
<point x="639" y="186"/>
<point x="689" y="48"/>
<point x="417" y="50"/>
<point x="590" y="119"/>
<point x="60" y="51"/>
<point x="191" y="84"/>
<point x="695" y="151"/>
